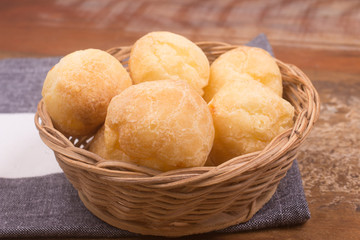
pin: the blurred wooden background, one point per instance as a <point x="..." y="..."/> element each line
<point x="320" y="37"/>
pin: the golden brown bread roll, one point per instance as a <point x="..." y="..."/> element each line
<point x="162" y="124"/>
<point x="247" y="116"/>
<point x="97" y="146"/>
<point x="244" y="63"/>
<point x="165" y="55"/>
<point x="78" y="89"/>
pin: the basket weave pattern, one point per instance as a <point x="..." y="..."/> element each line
<point x="184" y="201"/>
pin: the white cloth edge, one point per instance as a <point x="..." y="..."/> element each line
<point x="22" y="152"/>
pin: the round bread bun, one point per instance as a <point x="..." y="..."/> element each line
<point x="163" y="125"/>
<point x="97" y="146"/>
<point x="241" y="63"/>
<point x="165" y="55"/>
<point x="247" y="116"/>
<point x="78" y="89"/>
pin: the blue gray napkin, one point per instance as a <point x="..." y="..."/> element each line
<point x="48" y="206"/>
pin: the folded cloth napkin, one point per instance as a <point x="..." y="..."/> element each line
<point x="48" y="205"/>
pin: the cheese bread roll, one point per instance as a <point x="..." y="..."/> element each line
<point x="241" y="63"/>
<point x="97" y="146"/>
<point x="162" y="124"/>
<point x="78" y="89"/>
<point x="247" y="116"/>
<point x="165" y="55"/>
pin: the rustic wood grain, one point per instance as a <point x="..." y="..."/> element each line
<point x="320" y="37"/>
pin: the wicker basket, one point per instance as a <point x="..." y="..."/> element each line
<point x="185" y="201"/>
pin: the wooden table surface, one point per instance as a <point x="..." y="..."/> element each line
<point x="320" y="37"/>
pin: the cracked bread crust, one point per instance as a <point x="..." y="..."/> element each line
<point x="165" y="55"/>
<point x="247" y="116"/>
<point x="162" y="124"/>
<point x="98" y="147"/>
<point x="240" y="63"/>
<point x="78" y="89"/>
